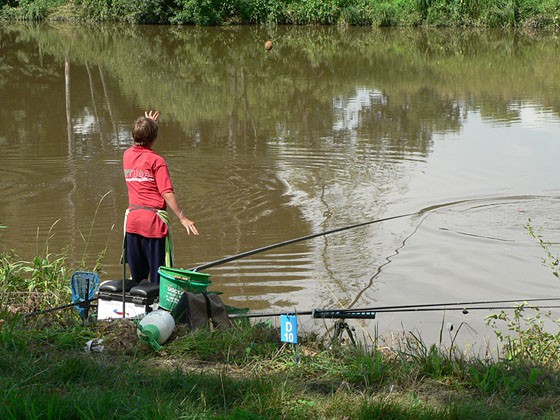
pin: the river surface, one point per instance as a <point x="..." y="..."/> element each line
<point x="459" y="130"/>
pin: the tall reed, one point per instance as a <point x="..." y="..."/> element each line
<point x="43" y="281"/>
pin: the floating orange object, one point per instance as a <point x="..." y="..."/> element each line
<point x="268" y="45"/>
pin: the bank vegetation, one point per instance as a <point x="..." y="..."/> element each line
<point x="451" y="13"/>
<point x="47" y="370"/>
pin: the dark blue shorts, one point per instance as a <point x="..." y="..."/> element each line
<point x="145" y="256"/>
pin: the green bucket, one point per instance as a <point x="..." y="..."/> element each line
<point x="174" y="281"/>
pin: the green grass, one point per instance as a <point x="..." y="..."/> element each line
<point x="246" y="372"/>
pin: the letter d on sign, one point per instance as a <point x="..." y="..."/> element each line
<point x="288" y="328"/>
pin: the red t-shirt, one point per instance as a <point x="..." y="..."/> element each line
<point x="147" y="180"/>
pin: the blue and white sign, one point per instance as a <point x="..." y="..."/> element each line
<point x="288" y="328"/>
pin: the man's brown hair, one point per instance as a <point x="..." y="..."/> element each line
<point x="144" y="132"/>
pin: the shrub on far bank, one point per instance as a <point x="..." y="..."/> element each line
<point x="453" y="13"/>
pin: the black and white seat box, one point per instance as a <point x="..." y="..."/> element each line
<point x="138" y="299"/>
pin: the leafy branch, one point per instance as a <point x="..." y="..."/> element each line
<point x="549" y="259"/>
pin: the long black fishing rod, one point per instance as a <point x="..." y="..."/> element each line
<point x="465" y="310"/>
<point x="407" y="308"/>
<point x="302" y="238"/>
<point x="345" y="314"/>
<point x="461" y="304"/>
<point x="81" y="304"/>
<point x="327" y="232"/>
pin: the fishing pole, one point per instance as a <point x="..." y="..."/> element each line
<point x="302" y="238"/>
<point x="345" y="314"/>
<point x="408" y="308"/>
<point x="465" y="310"/>
<point x="462" y="304"/>
<point x="327" y="232"/>
<point x="81" y="304"/>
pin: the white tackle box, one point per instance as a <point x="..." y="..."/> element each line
<point x="138" y="299"/>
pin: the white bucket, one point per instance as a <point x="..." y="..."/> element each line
<point x="156" y="328"/>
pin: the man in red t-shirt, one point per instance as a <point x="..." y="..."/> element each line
<point x="150" y="191"/>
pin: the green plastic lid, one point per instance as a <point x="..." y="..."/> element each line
<point x="150" y="333"/>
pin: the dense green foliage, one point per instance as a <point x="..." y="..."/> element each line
<point x="491" y="13"/>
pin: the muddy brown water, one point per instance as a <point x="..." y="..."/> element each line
<point x="329" y="128"/>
